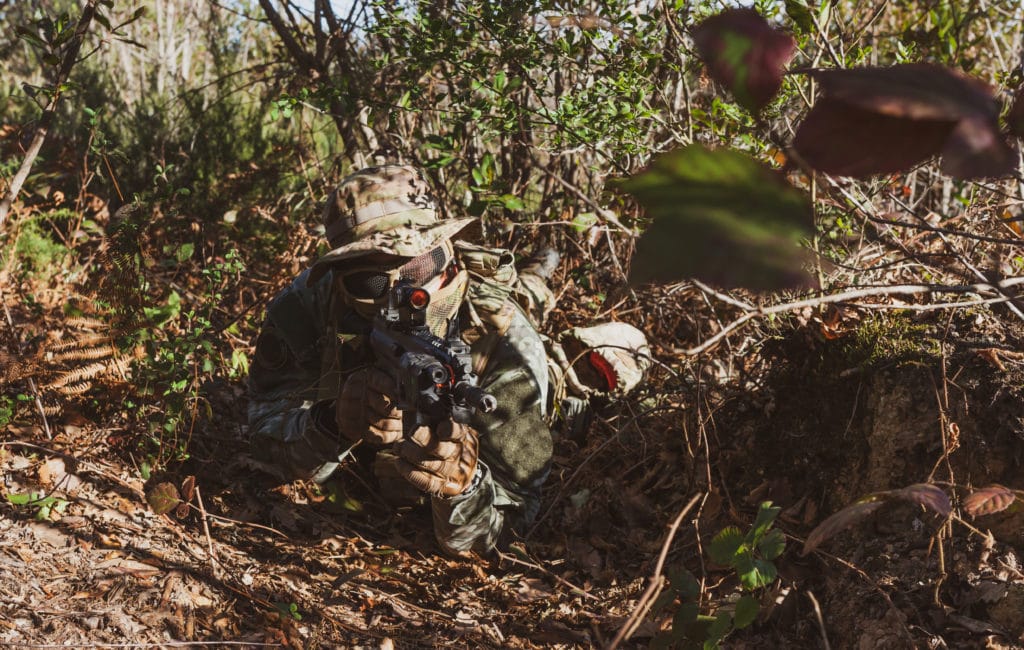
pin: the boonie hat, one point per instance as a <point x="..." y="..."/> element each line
<point x="387" y="209"/>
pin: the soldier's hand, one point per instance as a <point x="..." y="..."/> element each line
<point x="365" y="410"/>
<point x="441" y="462"/>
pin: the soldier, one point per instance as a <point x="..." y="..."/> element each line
<point x="315" y="392"/>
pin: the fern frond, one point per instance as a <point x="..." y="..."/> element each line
<point x="78" y="374"/>
<point x="75" y="389"/>
<point x="102" y="352"/>
<point x="85" y="322"/>
<point x="79" y="343"/>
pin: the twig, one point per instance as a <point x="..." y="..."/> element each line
<point x="657" y="580"/>
<point x="560" y="580"/>
<point x="31" y="382"/>
<point x="845" y="296"/>
<point x="819" y="619"/>
<point x="206" y="531"/>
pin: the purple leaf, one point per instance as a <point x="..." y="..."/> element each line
<point x="925" y="494"/>
<point x="745" y="54"/>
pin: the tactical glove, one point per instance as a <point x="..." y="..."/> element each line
<point x="365" y="410"/>
<point x="441" y="462"/>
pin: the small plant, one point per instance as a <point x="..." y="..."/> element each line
<point x="288" y="611"/>
<point x="182" y="355"/>
<point x="751" y="556"/>
<point x="46" y="505"/>
<point x="7" y="408"/>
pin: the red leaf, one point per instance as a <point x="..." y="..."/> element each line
<point x="745" y="54"/>
<point x="989" y="500"/>
<point x="881" y="120"/>
<point x="845" y="518"/>
<point x="841" y="139"/>
<point x="976" y="149"/>
<point x="924" y="494"/>
<point x="915" y="91"/>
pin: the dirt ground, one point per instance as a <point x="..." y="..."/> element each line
<point x="809" y="422"/>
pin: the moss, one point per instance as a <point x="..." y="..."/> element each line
<point x="37" y="251"/>
<point x="891" y="338"/>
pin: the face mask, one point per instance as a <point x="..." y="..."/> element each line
<point x="366" y="289"/>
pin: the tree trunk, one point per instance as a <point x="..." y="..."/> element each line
<point x="88" y="11"/>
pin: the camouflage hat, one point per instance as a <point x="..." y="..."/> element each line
<point x="387" y="209"/>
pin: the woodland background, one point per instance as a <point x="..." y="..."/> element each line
<point x="187" y="148"/>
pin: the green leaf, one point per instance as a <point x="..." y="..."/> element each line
<point x="766" y="514"/>
<point x="22" y="499"/>
<point x="684" y="617"/>
<point x="724" y="546"/>
<point x="102" y="19"/>
<point x="721" y="626"/>
<point x="761" y="574"/>
<point x="584" y="221"/>
<point x="684" y="583"/>
<point x="772" y="544"/>
<point x="722" y="217"/>
<point x="184" y="252"/>
<point x="800" y="14"/>
<point x="170" y="310"/>
<point x="746" y="611"/>
<point x="512" y="202"/>
<point x="662" y="601"/>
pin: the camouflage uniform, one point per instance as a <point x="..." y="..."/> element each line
<point x="313" y="338"/>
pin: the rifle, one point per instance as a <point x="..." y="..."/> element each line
<point x="434" y="376"/>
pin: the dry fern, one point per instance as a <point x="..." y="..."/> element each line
<point x="78" y="388"/>
<point x="75" y="375"/>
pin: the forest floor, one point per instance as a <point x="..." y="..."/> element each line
<point x="811" y="415"/>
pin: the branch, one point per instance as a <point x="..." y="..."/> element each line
<point x="301" y="56"/>
<point x="853" y="294"/>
